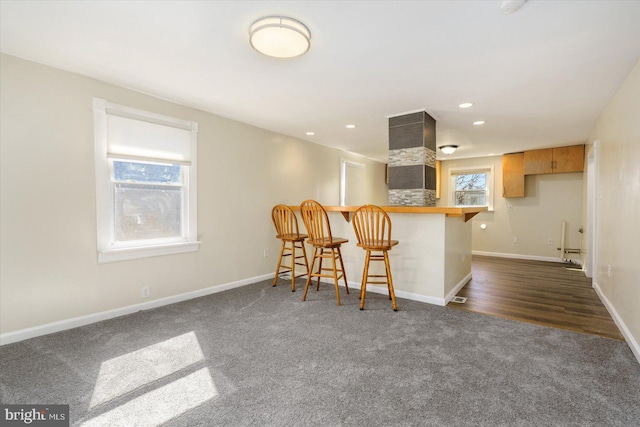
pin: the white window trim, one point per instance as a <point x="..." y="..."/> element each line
<point x="461" y="171"/>
<point x="106" y="252"/>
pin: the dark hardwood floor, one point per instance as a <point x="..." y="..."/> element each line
<point x="545" y="293"/>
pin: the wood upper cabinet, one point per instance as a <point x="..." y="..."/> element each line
<point x="513" y="175"/>
<point x="568" y="159"/>
<point x="554" y="160"/>
<point x="538" y="161"/>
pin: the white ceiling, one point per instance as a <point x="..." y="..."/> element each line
<point x="540" y="77"/>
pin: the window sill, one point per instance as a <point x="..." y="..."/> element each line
<point x="489" y="208"/>
<point x="125" y="254"/>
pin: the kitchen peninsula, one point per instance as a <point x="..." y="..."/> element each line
<point x="433" y="260"/>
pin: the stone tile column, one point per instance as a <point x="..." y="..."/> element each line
<point x="412" y="160"/>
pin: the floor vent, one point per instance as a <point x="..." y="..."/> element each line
<point x="459" y="300"/>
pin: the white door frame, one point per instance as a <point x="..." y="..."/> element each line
<point x="344" y="164"/>
<point x="591" y="259"/>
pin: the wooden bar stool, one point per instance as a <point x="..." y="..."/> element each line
<point x="286" y="225"/>
<point x="373" y="231"/>
<point x="325" y="246"/>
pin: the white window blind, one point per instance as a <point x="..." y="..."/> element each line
<point x="135" y="139"/>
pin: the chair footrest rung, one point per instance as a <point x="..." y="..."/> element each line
<point x="328" y="276"/>
<point x="331" y="269"/>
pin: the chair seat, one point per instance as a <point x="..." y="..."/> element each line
<point x="293" y="237"/>
<point x="328" y="242"/>
<point x="379" y="245"/>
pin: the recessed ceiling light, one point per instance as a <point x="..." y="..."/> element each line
<point x="350" y="126"/>
<point x="310" y="133"/>
<point x="466" y="105"/>
<point x="479" y="123"/>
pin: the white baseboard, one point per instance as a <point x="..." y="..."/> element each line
<point x="411" y="295"/>
<point x="631" y="341"/>
<point x="400" y="294"/>
<point x="457" y="288"/>
<point x="62" y="325"/>
<point x="518" y="256"/>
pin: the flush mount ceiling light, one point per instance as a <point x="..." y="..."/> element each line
<point x="310" y="133"/>
<point x="350" y="126"/>
<point x="466" y="105"/>
<point x="448" y="149"/>
<point x="510" y="6"/>
<point x="280" y="37"/>
<point x="479" y="123"/>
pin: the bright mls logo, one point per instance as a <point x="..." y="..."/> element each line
<point x="35" y="415"/>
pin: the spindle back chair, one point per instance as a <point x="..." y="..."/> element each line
<point x="286" y="224"/>
<point x="372" y="226"/>
<point x="325" y="246"/>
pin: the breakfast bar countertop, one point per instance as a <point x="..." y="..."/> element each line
<point x="467" y="212"/>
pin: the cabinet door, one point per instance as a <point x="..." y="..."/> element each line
<point x="538" y="161"/>
<point x="513" y="175"/>
<point x="568" y="159"/>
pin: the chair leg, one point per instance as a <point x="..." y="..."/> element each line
<point x="306" y="261"/>
<point x="293" y="266"/>
<point x="319" y="268"/>
<point x="335" y="273"/>
<point x="313" y="261"/>
<point x="344" y="274"/>
<point x="363" y="282"/>
<point x="392" y="294"/>
<point x="365" y="277"/>
<point x="275" y="279"/>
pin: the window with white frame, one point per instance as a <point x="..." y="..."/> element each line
<point x="472" y="187"/>
<point x="145" y="183"/>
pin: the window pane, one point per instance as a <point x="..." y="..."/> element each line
<point x="471" y="181"/>
<point x="147" y="211"/>
<point x="146" y="172"/>
<point x="471" y="198"/>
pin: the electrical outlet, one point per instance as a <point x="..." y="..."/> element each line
<point x="515" y="239"/>
<point x="265" y="253"/>
<point x="144" y="292"/>
<point x="608" y="270"/>
<point x="549" y="242"/>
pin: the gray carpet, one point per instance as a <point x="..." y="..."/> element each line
<point x="258" y="355"/>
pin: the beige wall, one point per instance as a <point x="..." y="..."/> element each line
<point x="533" y="219"/>
<point x="618" y="207"/>
<point x="48" y="261"/>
